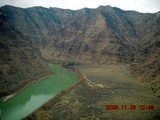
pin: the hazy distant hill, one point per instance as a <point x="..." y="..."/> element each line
<point x="101" y="35"/>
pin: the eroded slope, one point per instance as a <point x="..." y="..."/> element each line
<point x="20" y="62"/>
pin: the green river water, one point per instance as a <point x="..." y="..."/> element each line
<point x="33" y="96"/>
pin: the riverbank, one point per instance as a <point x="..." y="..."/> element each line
<point x="56" y="97"/>
<point x="87" y="100"/>
<point x="33" y="96"/>
<point x="5" y="98"/>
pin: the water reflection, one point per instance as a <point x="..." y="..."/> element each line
<point x="36" y="94"/>
<point x="16" y="112"/>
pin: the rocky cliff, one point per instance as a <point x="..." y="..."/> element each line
<point x="96" y="35"/>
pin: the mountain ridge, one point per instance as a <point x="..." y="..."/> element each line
<point x="102" y="35"/>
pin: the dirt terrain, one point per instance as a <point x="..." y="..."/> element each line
<point x="102" y="85"/>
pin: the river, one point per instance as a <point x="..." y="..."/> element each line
<point x="36" y="94"/>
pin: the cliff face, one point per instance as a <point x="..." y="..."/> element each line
<point x="104" y="33"/>
<point x="96" y="35"/>
<point x="101" y="35"/>
<point x="20" y="62"/>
